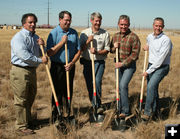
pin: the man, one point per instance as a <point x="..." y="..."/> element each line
<point x="56" y="41"/>
<point x="101" y="43"/>
<point x="129" y="48"/>
<point x="160" y="47"/>
<point x="25" y="52"/>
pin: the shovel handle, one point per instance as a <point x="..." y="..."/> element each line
<point x="117" y="81"/>
<point x="67" y="77"/>
<point x="93" y="74"/>
<point x="142" y="83"/>
<point x="51" y="83"/>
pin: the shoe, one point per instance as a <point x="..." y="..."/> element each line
<point x="33" y="126"/>
<point x="122" y="115"/>
<point x="100" y="110"/>
<point x="145" y="118"/>
<point x="24" y="132"/>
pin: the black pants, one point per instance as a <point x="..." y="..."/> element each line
<point x="58" y="74"/>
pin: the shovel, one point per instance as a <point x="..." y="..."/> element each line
<point x="142" y="83"/>
<point x="95" y="116"/>
<point x="67" y="81"/>
<point x="117" y="87"/>
<point x="70" y="119"/>
<point x="114" y="112"/>
<point x="119" y="123"/>
<point x="52" y="86"/>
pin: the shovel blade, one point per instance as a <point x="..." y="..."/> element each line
<point x="119" y="124"/>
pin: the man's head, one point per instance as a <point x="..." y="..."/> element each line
<point x="29" y="21"/>
<point x="65" y="20"/>
<point x="158" y="25"/>
<point x="96" y="20"/>
<point x="124" y="23"/>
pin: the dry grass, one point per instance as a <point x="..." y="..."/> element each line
<point x="168" y="90"/>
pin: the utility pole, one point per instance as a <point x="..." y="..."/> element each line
<point x="48" y="15"/>
<point x="88" y="20"/>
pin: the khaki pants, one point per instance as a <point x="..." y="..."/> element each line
<point x="23" y="84"/>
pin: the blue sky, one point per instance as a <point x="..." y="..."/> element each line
<point x="141" y="12"/>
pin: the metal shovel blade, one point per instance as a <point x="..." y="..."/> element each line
<point x="96" y="117"/>
<point x="119" y="124"/>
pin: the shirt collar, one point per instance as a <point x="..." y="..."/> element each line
<point x="61" y="30"/>
<point x="127" y="32"/>
<point x="27" y="32"/>
<point x="157" y="37"/>
<point x="97" y="33"/>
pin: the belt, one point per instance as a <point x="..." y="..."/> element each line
<point x="25" y="67"/>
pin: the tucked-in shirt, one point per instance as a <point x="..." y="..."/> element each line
<point x="25" y="50"/>
<point x="73" y="44"/>
<point x="160" y="48"/>
<point x="129" y="47"/>
<point x="101" y="41"/>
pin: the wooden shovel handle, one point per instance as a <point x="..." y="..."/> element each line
<point x="143" y="78"/>
<point x="93" y="71"/>
<point x="49" y="76"/>
<point x="117" y="78"/>
<point x="67" y="74"/>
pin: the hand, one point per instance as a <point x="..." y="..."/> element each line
<point x="116" y="45"/>
<point x="93" y="51"/>
<point x="118" y="65"/>
<point x="146" y="48"/>
<point x="64" y="39"/>
<point x="69" y="66"/>
<point x="145" y="74"/>
<point x="90" y="38"/>
<point x="44" y="59"/>
<point x="40" y="41"/>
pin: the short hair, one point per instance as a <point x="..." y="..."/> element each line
<point x="124" y="17"/>
<point x="96" y="14"/>
<point x="159" y="19"/>
<point x="25" y="16"/>
<point x="62" y="13"/>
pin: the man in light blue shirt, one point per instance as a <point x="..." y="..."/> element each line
<point x="160" y="47"/>
<point x="56" y="41"/>
<point x="25" y="57"/>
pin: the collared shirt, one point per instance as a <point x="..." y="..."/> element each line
<point x="129" y="47"/>
<point x="160" y="48"/>
<point x="73" y="44"/>
<point x="25" y="49"/>
<point x="101" y="41"/>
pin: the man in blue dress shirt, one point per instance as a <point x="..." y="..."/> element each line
<point x="160" y="47"/>
<point x="56" y="41"/>
<point x="25" y="57"/>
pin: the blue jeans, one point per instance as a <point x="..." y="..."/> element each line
<point x="125" y="75"/>
<point x="99" y="66"/>
<point x="152" y="98"/>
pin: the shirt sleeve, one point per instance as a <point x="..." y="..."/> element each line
<point x="78" y="42"/>
<point x="107" y="42"/>
<point x="83" y="39"/>
<point x="112" y="50"/>
<point x="50" y="41"/>
<point x="164" y="51"/>
<point x="136" y="45"/>
<point x="21" y="51"/>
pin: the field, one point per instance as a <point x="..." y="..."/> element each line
<point x="168" y="90"/>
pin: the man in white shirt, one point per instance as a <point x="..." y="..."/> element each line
<point x="160" y="47"/>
